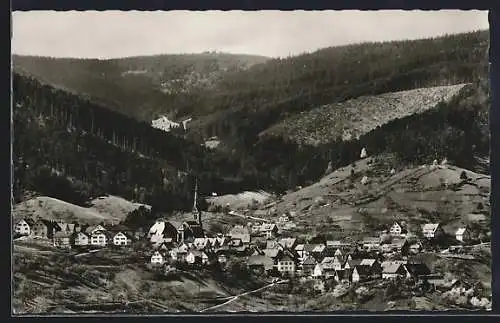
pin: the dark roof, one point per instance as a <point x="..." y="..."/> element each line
<point x="310" y="261"/>
<point x="418" y="269"/>
<point x="363" y="270"/>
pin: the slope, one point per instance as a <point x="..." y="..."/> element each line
<point x="356" y="117"/>
<point x="141" y="87"/>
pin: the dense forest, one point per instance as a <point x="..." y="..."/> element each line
<point x="75" y="147"/>
<point x="141" y="87"/>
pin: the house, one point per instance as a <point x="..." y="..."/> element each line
<point x="462" y="234"/>
<point x="415" y="248"/>
<point x="371" y="243"/>
<point x="157" y="258"/>
<point x="351" y="263"/>
<point x="393" y="270"/>
<point x="23" y="227"/>
<point x="94" y="228"/>
<point x="99" y="238"/>
<point x="179" y="254"/>
<point x="240" y="232"/>
<point x="397" y="245"/>
<point x="343" y="275"/>
<point x="42" y="229"/>
<point x="221" y="258"/>
<point x="283" y="219"/>
<point x="260" y="263"/>
<point x="162" y="229"/>
<point x="62" y="239"/>
<point x="121" y="239"/>
<point x="286" y="264"/>
<point x="397" y="230"/>
<point x="308" y="266"/>
<point x="334" y="263"/>
<point x="318" y="271"/>
<point x="269" y="229"/>
<point x="363" y="273"/>
<point x="432" y="230"/>
<point x="288" y="243"/>
<point x="201" y="243"/>
<point x="196" y="257"/>
<point x="166" y="245"/>
<point x="417" y="270"/>
<point x="299" y="249"/>
<point x="81" y="239"/>
<point x="318" y="250"/>
<point x="374" y="265"/>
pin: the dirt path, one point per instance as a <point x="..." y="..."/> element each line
<point x="243" y="294"/>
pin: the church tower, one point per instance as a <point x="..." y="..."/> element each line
<point x="196" y="213"/>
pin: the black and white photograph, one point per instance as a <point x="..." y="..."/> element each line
<point x="178" y="162"/>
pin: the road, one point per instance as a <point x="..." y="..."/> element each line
<point x="243" y="294"/>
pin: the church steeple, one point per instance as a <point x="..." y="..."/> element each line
<point x="196" y="213"/>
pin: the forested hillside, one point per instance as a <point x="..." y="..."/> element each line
<point x="140" y="87"/>
<point x="61" y="133"/>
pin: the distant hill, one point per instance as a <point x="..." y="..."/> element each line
<point x="142" y="87"/>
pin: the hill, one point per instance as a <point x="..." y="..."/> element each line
<point x="356" y="117"/>
<point x="142" y="87"/>
<point x="340" y="205"/>
<point x="108" y="209"/>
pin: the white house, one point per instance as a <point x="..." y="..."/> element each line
<point x="157" y="258"/>
<point x="120" y="239"/>
<point x="318" y="271"/>
<point x="81" y="239"/>
<point x="432" y="230"/>
<point x="396" y="229"/>
<point x="195" y="256"/>
<point x="462" y="234"/>
<point x="22" y="227"/>
<point x="94" y="229"/>
<point x="98" y="238"/>
<point x="393" y="269"/>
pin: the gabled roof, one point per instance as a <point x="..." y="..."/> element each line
<point x="367" y="262"/>
<point x="363" y="270"/>
<point x="310" y="261"/>
<point x="354" y="262"/>
<point x="260" y="260"/>
<point x="319" y="248"/>
<point x="299" y="247"/>
<point x="287" y="242"/>
<point x="430" y="227"/>
<point x="272" y="253"/>
<point x="417" y="269"/>
<point x="391" y="268"/>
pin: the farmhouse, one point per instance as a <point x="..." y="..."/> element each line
<point x="23" y="227"/>
<point x="432" y="230"/>
<point x="308" y="266"/>
<point x="157" y="258"/>
<point x="286" y="264"/>
<point x="462" y="234"/>
<point x="121" y="239"/>
<point x="196" y="257"/>
<point x="92" y="229"/>
<point x="269" y="229"/>
<point x="81" y="239"/>
<point x="42" y="229"/>
<point x="62" y="239"/>
<point x="393" y="270"/>
<point x="260" y="263"/>
<point x="397" y="229"/>
<point x="417" y="270"/>
<point x="361" y="273"/>
<point x="99" y="238"/>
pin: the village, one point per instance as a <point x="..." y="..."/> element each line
<point x="263" y="246"/>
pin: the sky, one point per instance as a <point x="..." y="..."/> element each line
<point x="112" y="34"/>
